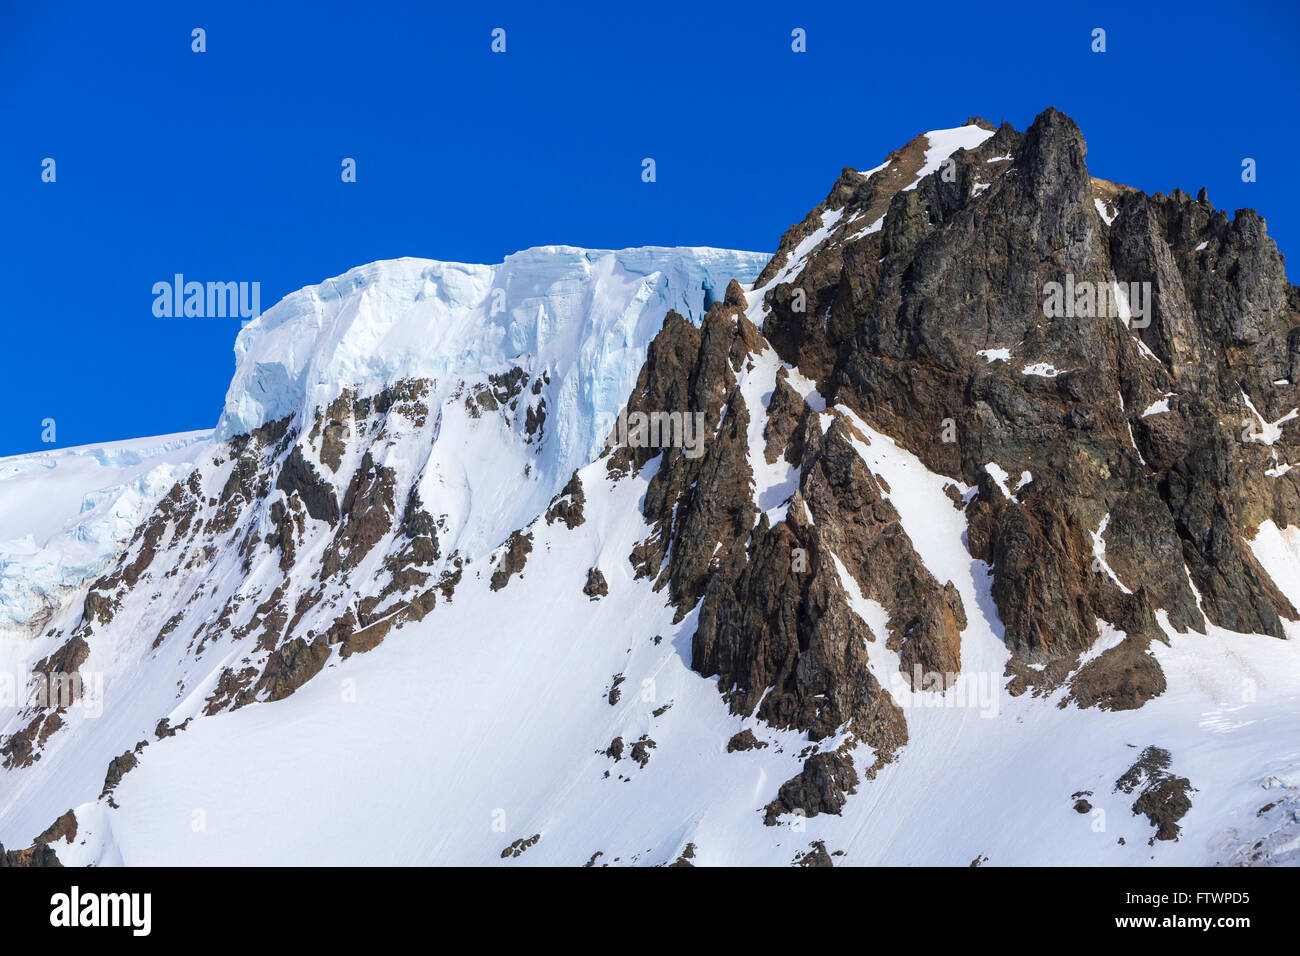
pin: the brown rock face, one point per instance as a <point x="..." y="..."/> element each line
<point x="291" y="665"/>
<point x="894" y="326"/>
<point x="118" y="768"/>
<point x="518" y="547"/>
<point x="815" y="855"/>
<point x="518" y="847"/>
<point x="694" y="371"/>
<point x="298" y="477"/>
<point x="41" y="853"/>
<point x="735" y="296"/>
<point x="938" y="329"/>
<point x="595" y="588"/>
<point x="567" y="505"/>
<point x="38" y="854"/>
<point x="1162" y="797"/>
<point x="744" y="740"/>
<point x="64" y="828"/>
<point x="787" y="413"/>
<point x="367" y="516"/>
<point x="820" y="788"/>
<point x="775" y="622"/>
<point x="761" y="625"/>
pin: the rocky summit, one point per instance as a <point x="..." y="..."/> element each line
<point x="965" y="527"/>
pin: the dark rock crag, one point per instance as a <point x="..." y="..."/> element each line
<point x="935" y="330"/>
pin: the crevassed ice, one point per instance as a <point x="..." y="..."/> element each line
<point x="586" y="315"/>
<point x="65" y="514"/>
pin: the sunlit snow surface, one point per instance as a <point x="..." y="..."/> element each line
<point x="944" y="142"/>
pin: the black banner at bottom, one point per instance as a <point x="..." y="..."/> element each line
<point x="305" y="904"/>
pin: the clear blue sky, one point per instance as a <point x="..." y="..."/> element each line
<point x="225" y="165"/>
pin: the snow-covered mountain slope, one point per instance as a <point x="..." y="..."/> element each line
<point x="580" y="319"/>
<point x="406" y="607"/>
<point x="481" y="388"/>
<point x="490" y="722"/>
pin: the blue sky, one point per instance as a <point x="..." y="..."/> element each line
<point x="225" y="165"/>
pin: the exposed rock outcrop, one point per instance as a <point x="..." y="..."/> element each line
<point x="1162" y="797"/>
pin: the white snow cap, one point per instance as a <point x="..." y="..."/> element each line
<point x="592" y="312"/>
<point x="944" y="142"/>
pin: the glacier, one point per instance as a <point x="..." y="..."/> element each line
<point x="65" y="514"/>
<point x="584" y="315"/>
